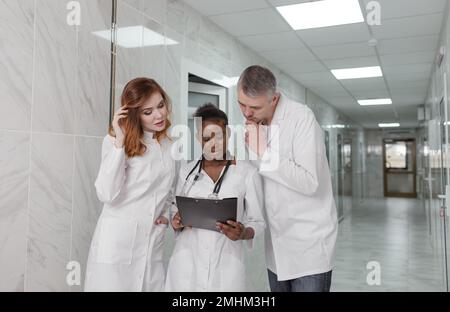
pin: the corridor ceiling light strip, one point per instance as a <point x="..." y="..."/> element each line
<point x="375" y="102"/>
<point x="136" y="37"/>
<point x="335" y="126"/>
<point x="357" y="73"/>
<point x="323" y="13"/>
<point x="389" y="125"/>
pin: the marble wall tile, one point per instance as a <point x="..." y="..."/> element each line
<point x="202" y="30"/>
<point x="172" y="72"/>
<point x="215" y="62"/>
<point x="176" y="16"/>
<point x="50" y="212"/>
<point x="55" y="91"/>
<point x="14" y="169"/>
<point x="16" y="53"/>
<point x="94" y="62"/>
<point x="133" y="3"/>
<point x="153" y="56"/>
<point x="155" y="9"/>
<point x="86" y="206"/>
<point x="128" y="59"/>
<point x="242" y="58"/>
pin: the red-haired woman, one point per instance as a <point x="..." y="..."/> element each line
<point x="134" y="183"/>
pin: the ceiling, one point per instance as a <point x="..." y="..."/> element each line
<point x="408" y="39"/>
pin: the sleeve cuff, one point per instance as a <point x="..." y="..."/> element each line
<point x="250" y="244"/>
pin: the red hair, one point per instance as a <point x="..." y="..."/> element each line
<point x="134" y="95"/>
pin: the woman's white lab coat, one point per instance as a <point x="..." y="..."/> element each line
<point x="205" y="260"/>
<point x="127" y="247"/>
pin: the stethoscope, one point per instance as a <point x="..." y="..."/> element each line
<point x="199" y="165"/>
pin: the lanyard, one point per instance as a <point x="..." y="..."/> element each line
<point x="199" y="165"/>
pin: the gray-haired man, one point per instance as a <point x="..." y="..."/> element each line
<point x="302" y="222"/>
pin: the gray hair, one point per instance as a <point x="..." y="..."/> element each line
<point x="256" y="81"/>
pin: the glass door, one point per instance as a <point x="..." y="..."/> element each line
<point x="444" y="196"/>
<point x="348" y="174"/>
<point x="399" y="168"/>
<point x="439" y="182"/>
<point x="340" y="177"/>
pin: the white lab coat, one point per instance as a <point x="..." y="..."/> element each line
<point x="204" y="260"/>
<point x="127" y="247"/>
<point x="298" y="198"/>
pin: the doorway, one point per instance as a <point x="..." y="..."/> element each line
<point x="201" y="92"/>
<point x="399" y="161"/>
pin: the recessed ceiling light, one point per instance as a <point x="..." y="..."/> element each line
<point x="389" y="125"/>
<point x="335" y="126"/>
<point x="357" y="73"/>
<point x="375" y="102"/>
<point x="323" y="13"/>
<point x="136" y="37"/>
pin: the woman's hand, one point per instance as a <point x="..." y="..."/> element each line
<point x="176" y="222"/>
<point x="122" y="113"/>
<point x="161" y="220"/>
<point x="233" y="230"/>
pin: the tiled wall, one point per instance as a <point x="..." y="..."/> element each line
<point x="53" y="116"/>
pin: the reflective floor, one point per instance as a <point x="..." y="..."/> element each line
<point x="392" y="232"/>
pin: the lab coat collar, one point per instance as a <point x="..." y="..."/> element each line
<point x="280" y="111"/>
<point x="149" y="137"/>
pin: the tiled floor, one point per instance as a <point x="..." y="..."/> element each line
<point x="392" y="232"/>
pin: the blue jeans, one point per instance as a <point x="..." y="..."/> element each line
<point x="312" y="283"/>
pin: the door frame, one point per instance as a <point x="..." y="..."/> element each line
<point x="413" y="172"/>
<point x="221" y="92"/>
<point x="190" y="67"/>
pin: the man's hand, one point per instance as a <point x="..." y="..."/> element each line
<point x="233" y="230"/>
<point x="256" y="137"/>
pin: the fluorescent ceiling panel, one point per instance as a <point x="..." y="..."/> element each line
<point x="389" y="125"/>
<point x="375" y="102"/>
<point x="357" y="73"/>
<point x="323" y="13"/>
<point x="335" y="126"/>
<point x="136" y="37"/>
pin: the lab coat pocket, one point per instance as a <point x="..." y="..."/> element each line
<point x="158" y="243"/>
<point x="116" y="240"/>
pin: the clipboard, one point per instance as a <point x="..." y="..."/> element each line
<point x="205" y="213"/>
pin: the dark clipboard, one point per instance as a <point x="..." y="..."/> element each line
<point x="205" y="213"/>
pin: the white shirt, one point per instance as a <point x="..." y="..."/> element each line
<point x="205" y="260"/>
<point x="127" y="248"/>
<point x="298" y="198"/>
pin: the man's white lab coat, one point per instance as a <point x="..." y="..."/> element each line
<point x="302" y="220"/>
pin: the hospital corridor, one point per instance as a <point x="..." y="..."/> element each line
<point x="359" y="88"/>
